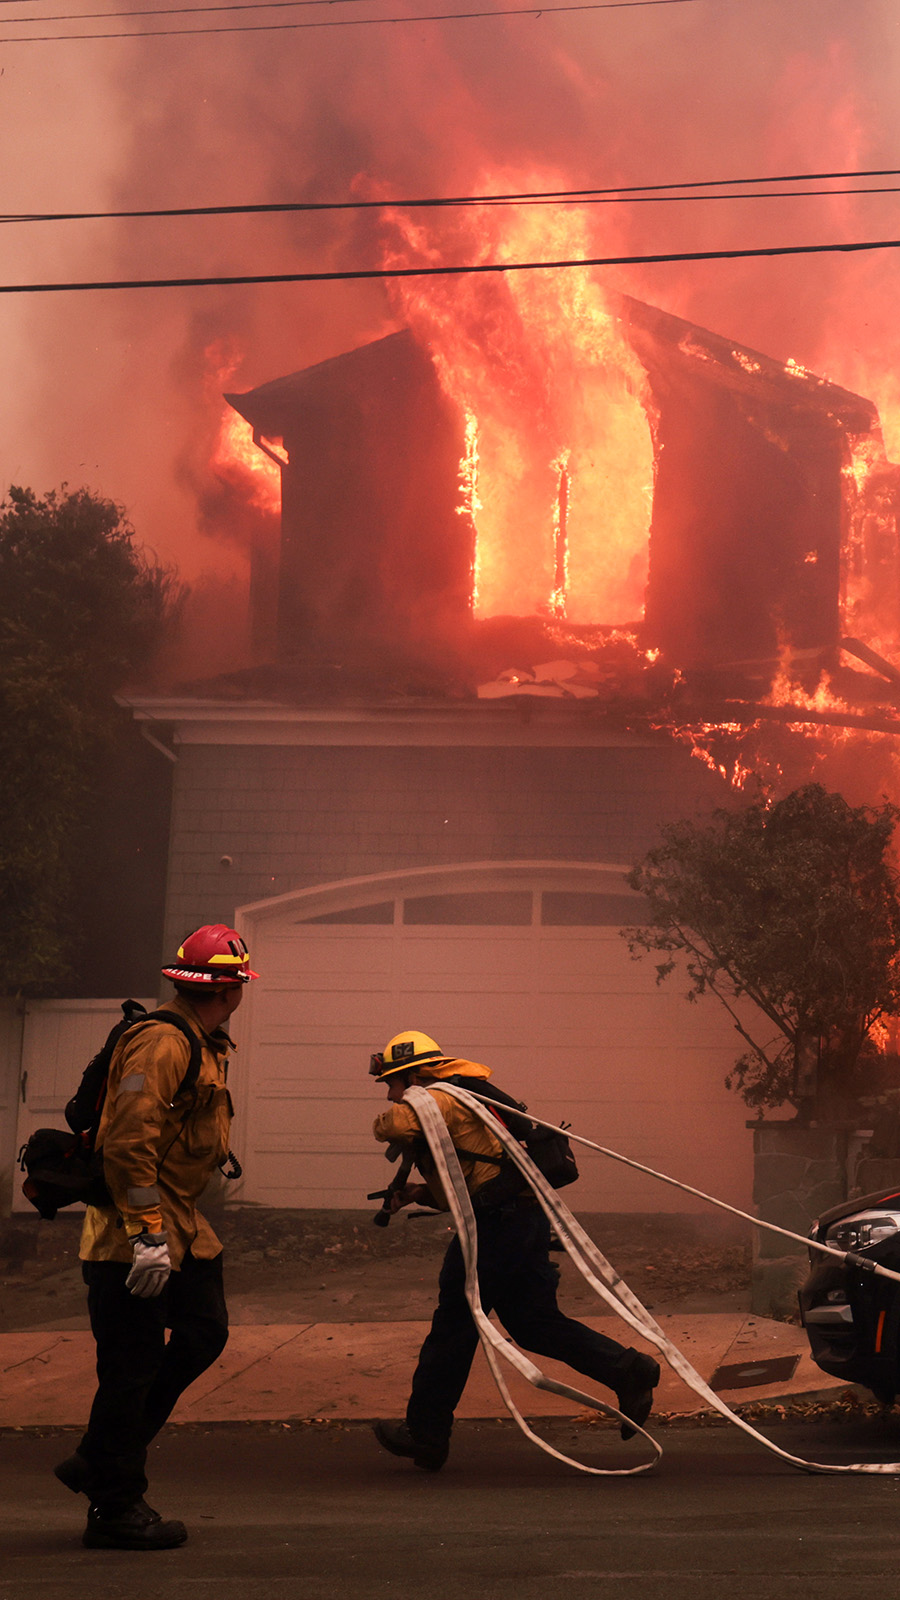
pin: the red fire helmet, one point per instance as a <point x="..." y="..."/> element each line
<point x="211" y="954"/>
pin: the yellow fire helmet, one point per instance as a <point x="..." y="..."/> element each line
<point x="407" y="1052"/>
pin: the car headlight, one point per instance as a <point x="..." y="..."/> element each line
<point x="863" y="1230"/>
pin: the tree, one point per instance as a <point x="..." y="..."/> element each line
<point x="82" y="609"/>
<point x="795" y="906"/>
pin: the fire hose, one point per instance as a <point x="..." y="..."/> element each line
<point x="596" y="1271"/>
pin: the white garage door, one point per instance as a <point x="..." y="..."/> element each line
<point x="519" y="966"/>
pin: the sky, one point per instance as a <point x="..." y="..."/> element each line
<point x="120" y="391"/>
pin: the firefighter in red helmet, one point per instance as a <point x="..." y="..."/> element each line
<point x="150" y="1259"/>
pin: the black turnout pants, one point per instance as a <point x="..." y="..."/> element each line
<point x="140" y="1373"/>
<point x="516" y="1279"/>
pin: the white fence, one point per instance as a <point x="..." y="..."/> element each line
<point x="44" y="1047"/>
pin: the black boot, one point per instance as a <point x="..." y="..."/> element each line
<point x="634" y="1393"/>
<point x="75" y="1473"/>
<point x="396" y="1437"/>
<point x="134" y="1528"/>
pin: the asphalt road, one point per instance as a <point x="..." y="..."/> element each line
<point x="313" y="1513"/>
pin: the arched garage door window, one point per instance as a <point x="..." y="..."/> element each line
<point x="487" y="908"/>
<point x="487" y="894"/>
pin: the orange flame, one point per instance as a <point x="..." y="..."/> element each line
<point x="468" y="484"/>
<point x="557" y="405"/>
<point x="240" y="461"/>
<point x="236" y="457"/>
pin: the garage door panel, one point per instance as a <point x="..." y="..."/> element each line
<point x="323" y="950"/>
<point x="279" y="935"/>
<point x="442" y="982"/>
<point x="598" y="1028"/>
<point x="671" y="1074"/>
<point x="318" y="1122"/>
<point x="324" y="1038"/>
<point x="657" y="1013"/>
<point x="317" y="1153"/>
<point x="482" y="961"/>
<point x="315" y="1008"/>
<point x="316" y="1184"/>
<point x="354" y="1006"/>
<point x="311" y="1069"/>
<point x="456" y="1013"/>
<point x="585" y="946"/>
<point x="604" y="960"/>
<point x="458" y="978"/>
<point x="599" y="981"/>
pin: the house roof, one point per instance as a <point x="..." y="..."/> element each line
<point x="660" y="340"/>
<point x="266" y="407"/>
<point x="656" y="334"/>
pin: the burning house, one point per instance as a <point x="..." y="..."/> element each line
<point x="744" y="509"/>
<point x="508" y="590"/>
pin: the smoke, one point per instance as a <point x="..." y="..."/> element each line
<point x="113" y="389"/>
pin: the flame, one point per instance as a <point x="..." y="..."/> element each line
<point x="236" y="457"/>
<point x="554" y="405"/>
<point x="787" y="691"/>
<point x="885" y="391"/>
<point x="861" y="462"/>
<point x="559" y="596"/>
<point x="869" y="582"/>
<point x="468" y="484"/>
<point x="721" y="747"/>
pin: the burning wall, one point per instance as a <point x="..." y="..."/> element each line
<point x="749" y="515"/>
<point x="673" y="483"/>
<point x="370" y="536"/>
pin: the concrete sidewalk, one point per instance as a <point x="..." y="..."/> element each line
<point x="359" y="1370"/>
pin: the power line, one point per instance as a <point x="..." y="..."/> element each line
<point x="448" y="272"/>
<point x="684" y="199"/>
<point x="528" y="197"/>
<point x="345" y="22"/>
<point x="178" y="11"/>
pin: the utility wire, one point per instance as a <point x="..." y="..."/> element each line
<point x="448" y="272"/>
<point x="178" y="11"/>
<point x="346" y="22"/>
<point x="529" y="197"/>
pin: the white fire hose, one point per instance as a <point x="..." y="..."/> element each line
<point x="595" y="1270"/>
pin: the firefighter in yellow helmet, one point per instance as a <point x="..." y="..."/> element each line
<point x="151" y="1261"/>
<point x="516" y="1277"/>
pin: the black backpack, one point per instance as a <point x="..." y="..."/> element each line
<point x="548" y="1148"/>
<point x="64" y="1168"/>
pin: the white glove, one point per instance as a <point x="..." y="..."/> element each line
<point x="150" y="1272"/>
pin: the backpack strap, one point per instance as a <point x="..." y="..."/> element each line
<point x="475" y="1155"/>
<point x="514" y="1119"/>
<point x="189" y="1081"/>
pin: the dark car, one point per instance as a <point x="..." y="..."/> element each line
<point x="851" y="1316"/>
